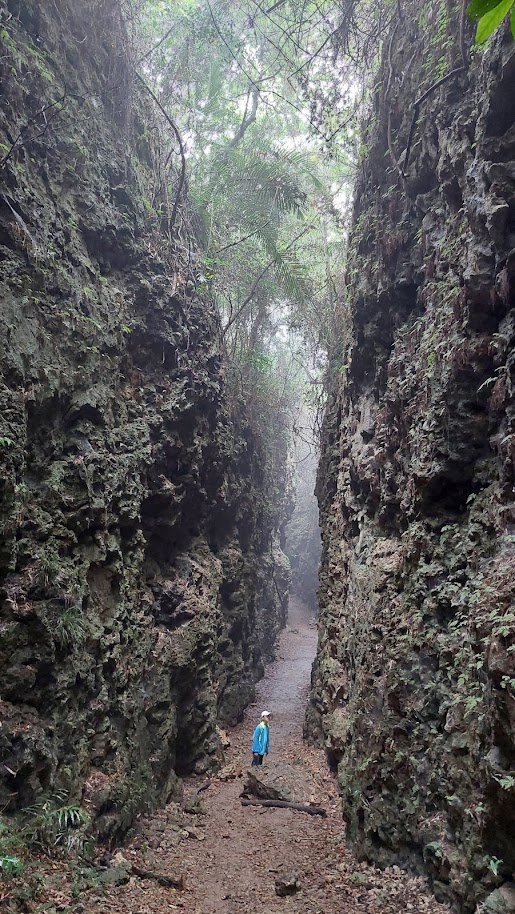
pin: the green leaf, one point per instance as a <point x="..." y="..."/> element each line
<point x="478" y="8"/>
<point x="489" y="22"/>
<point x="512" y="20"/>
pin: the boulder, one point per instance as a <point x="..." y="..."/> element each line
<point x="280" y="780"/>
<point x="501" y="901"/>
<point x="287" y="885"/>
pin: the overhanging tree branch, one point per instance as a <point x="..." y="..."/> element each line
<point x="227" y="45"/>
<point x="263" y="273"/>
<point x="172" y="124"/>
<point x="245" y="238"/>
<point x="21" y="140"/>
<point x="248" y="119"/>
<point x="276" y="6"/>
<point x="158" y="44"/>
<point x="416" y="108"/>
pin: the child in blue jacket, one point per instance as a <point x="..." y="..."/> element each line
<point x="261" y="739"/>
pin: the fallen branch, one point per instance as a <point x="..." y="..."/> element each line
<point x="175" y="882"/>
<point x="282" y="804"/>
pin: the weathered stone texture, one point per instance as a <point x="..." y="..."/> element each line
<point x="142" y="584"/>
<point x="414" y="684"/>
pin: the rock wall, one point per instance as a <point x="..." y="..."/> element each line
<point x="142" y="584"/>
<point x="413" y="687"/>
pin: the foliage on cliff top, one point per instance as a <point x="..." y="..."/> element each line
<point x="490" y="14"/>
<point x="266" y="198"/>
<point x="265" y="101"/>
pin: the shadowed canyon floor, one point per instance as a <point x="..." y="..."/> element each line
<point x="229" y="856"/>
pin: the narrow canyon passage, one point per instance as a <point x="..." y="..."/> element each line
<point x="230" y="856"/>
<point x="248" y="253"/>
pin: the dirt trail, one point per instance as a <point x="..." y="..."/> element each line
<point x="233" y="870"/>
<point x="284" y="689"/>
<point x="230" y="855"/>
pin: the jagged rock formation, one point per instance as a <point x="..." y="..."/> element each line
<point x="142" y="579"/>
<point x="413" y="688"/>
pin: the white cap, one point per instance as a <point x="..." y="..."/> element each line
<point x="265" y="713"/>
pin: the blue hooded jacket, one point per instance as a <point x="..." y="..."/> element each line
<point x="261" y="739"/>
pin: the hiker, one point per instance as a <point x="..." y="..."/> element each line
<point x="261" y="739"/>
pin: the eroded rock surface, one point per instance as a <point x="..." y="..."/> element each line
<point x="142" y="579"/>
<point x="413" y="687"/>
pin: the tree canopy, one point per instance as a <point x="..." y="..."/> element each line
<point x="259" y="104"/>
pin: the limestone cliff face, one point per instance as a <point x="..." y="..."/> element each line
<point x="142" y="583"/>
<point x="413" y="688"/>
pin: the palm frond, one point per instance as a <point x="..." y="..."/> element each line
<point x="293" y="277"/>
